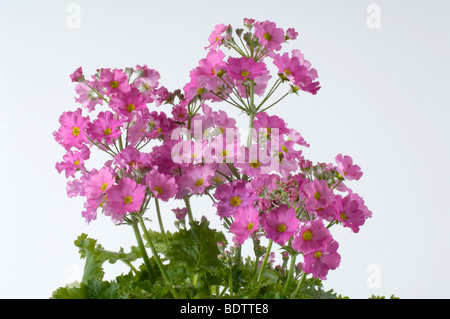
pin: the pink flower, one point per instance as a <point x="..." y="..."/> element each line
<point x="180" y="213"/>
<point x="319" y="262"/>
<point x="87" y="97"/>
<point x="244" y="68"/>
<point x="265" y="123"/>
<point x="346" y="168"/>
<point x="280" y="224"/>
<point x="115" y="81"/>
<point x="162" y="186"/>
<point x="128" y="104"/>
<point x="246" y="222"/>
<point x="269" y="35"/>
<point x="73" y="161"/>
<point x="72" y="130"/>
<point x="195" y="180"/>
<point x="99" y="182"/>
<point x="231" y="196"/>
<point x="106" y="128"/>
<point x="348" y="213"/>
<point x="77" y="76"/>
<point x="130" y="158"/>
<point x="313" y="236"/>
<point x="215" y="39"/>
<point x="305" y="81"/>
<point x="126" y="196"/>
<point x="318" y="194"/>
<point x="291" y="34"/>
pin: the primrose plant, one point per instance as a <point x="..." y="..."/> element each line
<point x="163" y="146"/>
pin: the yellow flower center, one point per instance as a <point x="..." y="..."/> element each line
<point x="307" y="235"/>
<point x="107" y="131"/>
<point x="245" y="73"/>
<point x="77" y="162"/>
<point x="267" y="36"/>
<point x="287" y="72"/>
<point x="343" y="216"/>
<point x="250" y="226"/>
<point x="318" y="254"/>
<point x="317" y="195"/>
<point x="127" y="199"/>
<point x="255" y="165"/>
<point x="235" y="201"/>
<point x="281" y="228"/>
<point x="200" y="90"/>
<point x="159" y="190"/>
<point x="131" y="107"/>
<point x="76" y="131"/>
<point x="114" y="84"/>
<point x="285" y="149"/>
<point x="199" y="182"/>
<point x="104" y="186"/>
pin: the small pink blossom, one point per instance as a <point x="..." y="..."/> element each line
<point x="106" y="128"/>
<point x="162" y="186"/>
<point x="77" y="76"/>
<point x="319" y="262"/>
<point x="313" y="236"/>
<point x="318" y="194"/>
<point x="216" y="37"/>
<point x="126" y="196"/>
<point x="348" y="213"/>
<point x="347" y="169"/>
<point x="280" y="224"/>
<point x="72" y="132"/>
<point x="128" y="104"/>
<point x="243" y="68"/>
<point x="246" y="222"/>
<point x="231" y="196"/>
<point x="269" y="35"/>
<point x="115" y="81"/>
<point x="180" y="213"/>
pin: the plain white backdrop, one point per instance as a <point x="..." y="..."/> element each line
<point x="385" y="77"/>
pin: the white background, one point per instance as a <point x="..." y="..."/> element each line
<point x="384" y="101"/>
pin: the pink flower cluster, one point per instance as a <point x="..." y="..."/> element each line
<point x="264" y="187"/>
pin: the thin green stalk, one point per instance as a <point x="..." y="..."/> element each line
<point x="289" y="275"/>
<point x="141" y="245"/>
<point x="161" y="226"/>
<point x="188" y="207"/>
<point x="156" y="256"/>
<point x="230" y="281"/>
<point x="263" y="266"/>
<point x="275" y="102"/>
<point x="299" y="286"/>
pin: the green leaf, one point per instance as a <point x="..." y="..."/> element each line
<point x="96" y="255"/>
<point x="196" y="247"/>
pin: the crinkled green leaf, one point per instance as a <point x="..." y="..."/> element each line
<point x="196" y="247"/>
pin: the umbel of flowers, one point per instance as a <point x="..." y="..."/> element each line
<point x="163" y="146"/>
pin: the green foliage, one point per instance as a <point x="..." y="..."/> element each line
<point x="196" y="248"/>
<point x="197" y="268"/>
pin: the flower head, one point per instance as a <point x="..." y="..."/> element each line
<point x="72" y="132"/>
<point x="126" y="196"/>
<point x="347" y="169"/>
<point x="162" y="186"/>
<point x="269" y="35"/>
<point x="246" y="222"/>
<point x="313" y="236"/>
<point x="319" y="262"/>
<point x="280" y="224"/>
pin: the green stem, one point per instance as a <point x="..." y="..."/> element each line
<point x="141" y="245"/>
<point x="289" y="275"/>
<point x="161" y="226"/>
<point x="189" y="210"/>
<point x="230" y="281"/>
<point x="299" y="286"/>
<point x="275" y="102"/>
<point x="263" y="266"/>
<point x="156" y="256"/>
